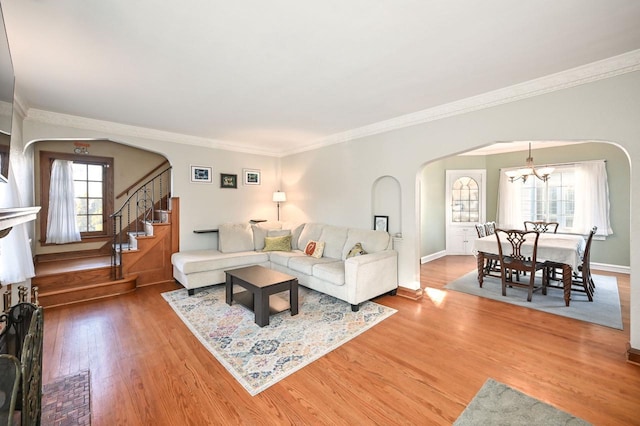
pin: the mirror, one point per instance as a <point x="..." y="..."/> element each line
<point x="6" y="100"/>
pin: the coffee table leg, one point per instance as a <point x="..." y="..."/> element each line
<point x="261" y="308"/>
<point x="293" y="297"/>
<point x="229" y="289"/>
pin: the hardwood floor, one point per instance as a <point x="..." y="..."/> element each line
<point x="420" y="366"/>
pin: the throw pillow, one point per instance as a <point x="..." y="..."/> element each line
<point x="357" y="250"/>
<point x="282" y="243"/>
<point x="314" y="248"/>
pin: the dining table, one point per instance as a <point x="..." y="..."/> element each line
<point x="564" y="249"/>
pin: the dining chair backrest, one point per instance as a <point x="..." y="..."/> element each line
<point x="490" y="228"/>
<point x="540" y="226"/>
<point x="586" y="257"/>
<point x="481" y="230"/>
<point x="516" y="239"/>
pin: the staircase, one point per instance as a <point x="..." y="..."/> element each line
<point x="146" y="234"/>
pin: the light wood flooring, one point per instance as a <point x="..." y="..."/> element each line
<point x="421" y="366"/>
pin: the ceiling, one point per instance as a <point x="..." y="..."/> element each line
<point x="282" y="75"/>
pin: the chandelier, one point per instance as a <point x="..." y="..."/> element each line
<point x="541" y="173"/>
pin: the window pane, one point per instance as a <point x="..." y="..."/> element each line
<point x="95" y="206"/>
<point x="81" y="206"/>
<point x="95" y="172"/>
<point x="81" y="221"/>
<point x="95" y="223"/>
<point x="465" y="195"/>
<point x="79" y="171"/>
<point x="80" y="188"/>
<point x="95" y="189"/>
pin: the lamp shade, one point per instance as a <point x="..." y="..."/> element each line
<point x="279" y="197"/>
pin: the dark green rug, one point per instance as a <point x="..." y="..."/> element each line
<point x="498" y="404"/>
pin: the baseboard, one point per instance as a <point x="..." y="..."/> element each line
<point x="611" y="268"/>
<point x="633" y="355"/>
<point x="410" y="293"/>
<point x="434" y="256"/>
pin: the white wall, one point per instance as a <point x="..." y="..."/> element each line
<point x="606" y="110"/>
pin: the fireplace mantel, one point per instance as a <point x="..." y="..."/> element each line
<point x="10" y="217"/>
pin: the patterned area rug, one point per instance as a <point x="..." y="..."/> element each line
<point x="604" y="310"/>
<point x="498" y="404"/>
<point x="259" y="357"/>
<point x="66" y="401"/>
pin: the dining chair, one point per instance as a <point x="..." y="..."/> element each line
<point x="581" y="279"/>
<point x="491" y="260"/>
<point x="541" y="226"/>
<point x="512" y="259"/>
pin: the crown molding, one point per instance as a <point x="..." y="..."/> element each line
<point x="111" y="128"/>
<point x="606" y="68"/>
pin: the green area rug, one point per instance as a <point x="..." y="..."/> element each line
<point x="604" y="310"/>
<point x="498" y="404"/>
<point x="259" y="357"/>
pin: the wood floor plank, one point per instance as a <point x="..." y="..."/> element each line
<point x="420" y="366"/>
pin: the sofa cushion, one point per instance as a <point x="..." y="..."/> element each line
<point x="261" y="230"/>
<point x="282" y="243"/>
<point x="372" y="241"/>
<point x="295" y="229"/>
<point x="334" y="238"/>
<point x="282" y="257"/>
<point x="206" y="260"/>
<point x="235" y="237"/>
<point x="304" y="264"/>
<point x="332" y="272"/>
<point x="310" y="232"/>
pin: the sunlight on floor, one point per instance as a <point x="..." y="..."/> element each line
<point x="436" y="296"/>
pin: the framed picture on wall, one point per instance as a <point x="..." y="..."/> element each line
<point x="381" y="223"/>
<point x="201" y="174"/>
<point x="251" y="176"/>
<point x="228" y="181"/>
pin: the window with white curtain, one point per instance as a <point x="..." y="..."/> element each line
<point x="576" y="196"/>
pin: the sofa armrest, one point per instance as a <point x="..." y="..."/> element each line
<point x="370" y="275"/>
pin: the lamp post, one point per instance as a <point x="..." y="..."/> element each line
<point x="279" y="197"/>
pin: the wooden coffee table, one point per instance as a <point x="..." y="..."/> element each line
<point x="261" y="285"/>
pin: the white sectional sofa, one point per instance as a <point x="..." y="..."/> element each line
<point x="352" y="279"/>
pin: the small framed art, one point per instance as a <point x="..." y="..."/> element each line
<point x="251" y="176"/>
<point x="381" y="223"/>
<point x="228" y="181"/>
<point x="201" y="174"/>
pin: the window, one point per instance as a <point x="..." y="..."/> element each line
<point x="93" y="184"/>
<point x="465" y="205"/>
<point x="88" y="182"/>
<point x="576" y="196"/>
<point x="550" y="201"/>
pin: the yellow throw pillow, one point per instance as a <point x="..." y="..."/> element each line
<point x="282" y="243"/>
<point x="314" y="248"/>
<point x="357" y="250"/>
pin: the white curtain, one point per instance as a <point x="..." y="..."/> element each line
<point x="509" y="214"/>
<point x="591" y="198"/>
<point x="61" y="220"/>
<point x="16" y="261"/>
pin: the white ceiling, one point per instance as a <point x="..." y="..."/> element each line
<point x="277" y="76"/>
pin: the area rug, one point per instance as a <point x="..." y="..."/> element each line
<point x="66" y="401"/>
<point x="604" y="310"/>
<point x="259" y="357"/>
<point x="498" y="404"/>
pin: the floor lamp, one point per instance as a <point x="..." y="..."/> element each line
<point x="279" y="197"/>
